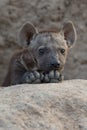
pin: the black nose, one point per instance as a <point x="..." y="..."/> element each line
<point x="55" y="64"/>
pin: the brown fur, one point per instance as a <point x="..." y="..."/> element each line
<point x="15" y="67"/>
<point x="42" y="50"/>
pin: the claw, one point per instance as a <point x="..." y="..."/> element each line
<point x="46" y="79"/>
<point x="36" y="81"/>
<point x="57" y="75"/>
<point x="37" y="75"/>
<point x="51" y="74"/>
<point x="41" y="76"/>
<point x="32" y="77"/>
<point x="54" y="81"/>
<point x="28" y="80"/>
<point x="61" y="77"/>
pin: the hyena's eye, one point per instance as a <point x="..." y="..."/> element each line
<point x="62" y="51"/>
<point x="41" y="51"/>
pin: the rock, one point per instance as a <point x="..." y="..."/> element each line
<point x="2" y="41"/>
<point x="3" y="2"/>
<point x="61" y="106"/>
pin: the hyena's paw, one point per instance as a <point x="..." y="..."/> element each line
<point x="53" y="77"/>
<point x="32" y="77"/>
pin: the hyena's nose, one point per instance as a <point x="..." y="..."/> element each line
<point x="55" y="64"/>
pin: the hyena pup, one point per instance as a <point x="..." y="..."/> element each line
<point x="43" y="55"/>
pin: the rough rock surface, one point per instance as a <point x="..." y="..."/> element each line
<point x="50" y="13"/>
<point x="61" y="106"/>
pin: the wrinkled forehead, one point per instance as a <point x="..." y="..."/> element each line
<point x="49" y="39"/>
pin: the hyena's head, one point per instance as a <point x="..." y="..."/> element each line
<point x="49" y="48"/>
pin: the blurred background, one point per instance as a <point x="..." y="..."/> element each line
<point x="44" y="14"/>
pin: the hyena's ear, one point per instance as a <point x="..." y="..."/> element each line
<point x="69" y="33"/>
<point x="26" y="33"/>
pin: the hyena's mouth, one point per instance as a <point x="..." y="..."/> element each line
<point x="47" y="69"/>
